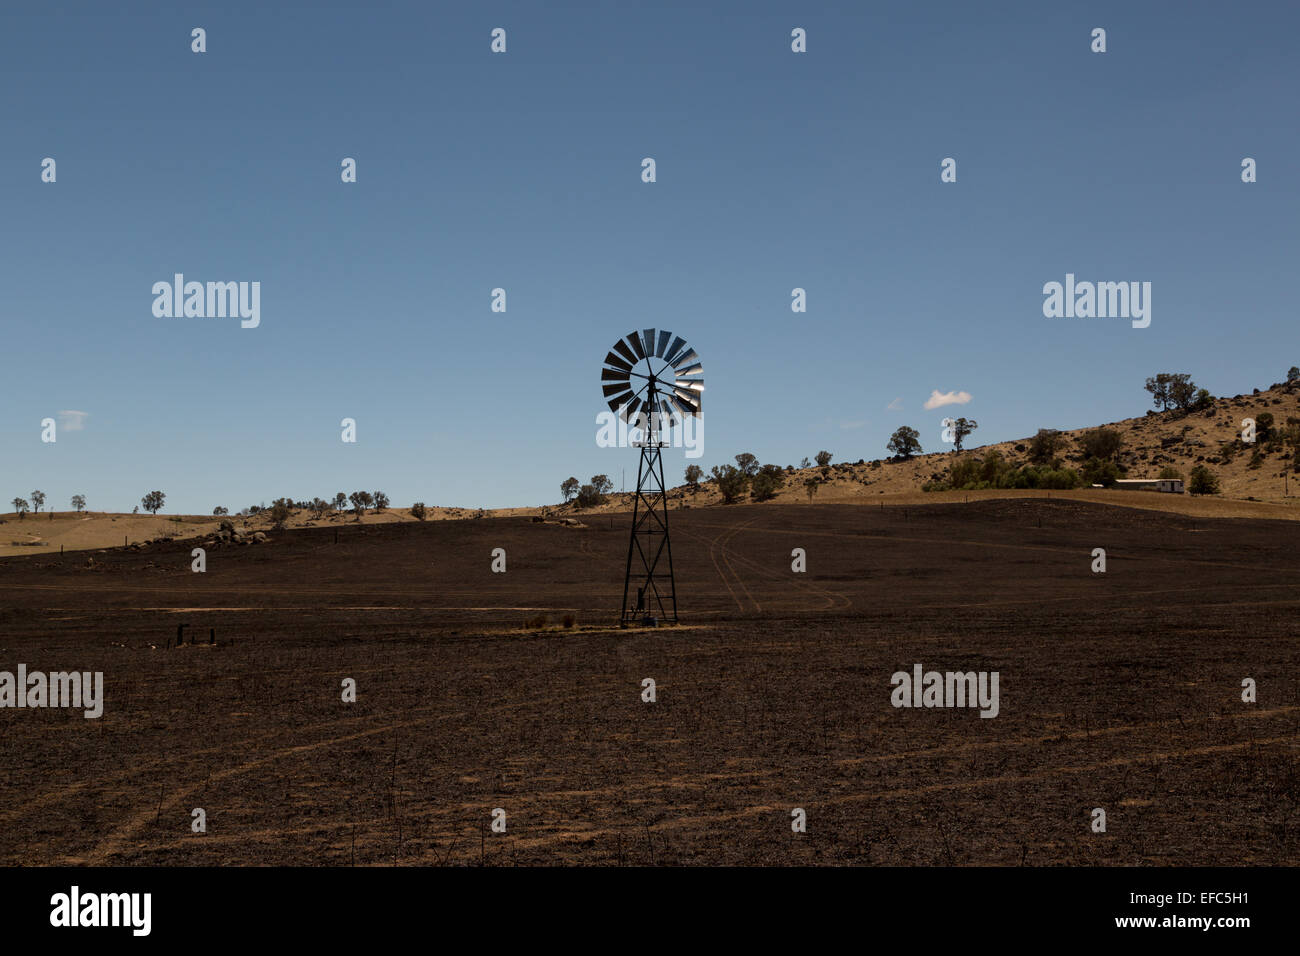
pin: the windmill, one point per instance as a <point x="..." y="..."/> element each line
<point x="651" y="379"/>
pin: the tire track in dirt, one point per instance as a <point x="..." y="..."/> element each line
<point x="710" y="819"/>
<point x="115" y="842"/>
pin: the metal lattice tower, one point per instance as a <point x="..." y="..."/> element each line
<point x="651" y="379"/>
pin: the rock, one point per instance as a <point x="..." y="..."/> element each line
<point x="259" y="537"/>
<point x="226" y="526"/>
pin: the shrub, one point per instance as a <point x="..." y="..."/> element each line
<point x="767" y="482"/>
<point x="1203" y="482"/>
<point x="418" y="510"/>
<point x="731" y="481"/>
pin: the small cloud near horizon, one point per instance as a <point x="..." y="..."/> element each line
<point x="72" y="421"/>
<point x="939" y="399"/>
<point x="896" y="405"/>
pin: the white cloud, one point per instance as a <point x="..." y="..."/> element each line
<point x="896" y="405"/>
<point x="939" y="399"/>
<point x="72" y="421"/>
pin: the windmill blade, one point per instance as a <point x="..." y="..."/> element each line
<point x="621" y="348"/>
<point x="664" y="336"/>
<point x="629" y="409"/>
<point x="679" y="343"/>
<point x="686" y="412"/>
<point x="648" y="341"/>
<point x="696" y="369"/>
<point x="687" y="400"/>
<point x="688" y="356"/>
<point x="613" y="375"/>
<point x="616" y="388"/>
<point x="634" y="339"/>
<point x="616" y="404"/>
<point x="694" y="386"/>
<point x="614" y="360"/>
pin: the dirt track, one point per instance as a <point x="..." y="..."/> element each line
<point x="1119" y="690"/>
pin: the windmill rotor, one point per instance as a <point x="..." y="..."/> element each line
<point x="653" y="371"/>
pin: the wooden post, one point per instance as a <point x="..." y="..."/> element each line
<point x="180" y="634"/>
<point x="212" y="635"/>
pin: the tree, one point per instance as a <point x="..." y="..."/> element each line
<point x="318" y="507"/>
<point x="1172" y="389"/>
<point x="38" y="499"/>
<point x="569" y="487"/>
<point x="381" y="501"/>
<point x="767" y="482"/>
<point x="589" y="497"/>
<point x="419" y="511"/>
<point x="693" y="475"/>
<point x="1203" y="482"/>
<point x="731" y="481"/>
<point x="1102" y="443"/>
<point x="747" y="464"/>
<point x="361" y="500"/>
<point x="220" y="510"/>
<point x="20" y="507"/>
<point x="823" y="459"/>
<point x="1044" y="446"/>
<point x="961" y="427"/>
<point x="1158" y="386"/>
<point x="602" y="484"/>
<point x="1293" y="373"/>
<point x="905" y="442"/>
<point x="1203" y="399"/>
<point x="153" y="501"/>
<point x="1182" y="391"/>
<point x="810" y="486"/>
<point x="79" y="503"/>
<point x="805" y="463"/>
<point x="1169" y="471"/>
<point x="340" y="501"/>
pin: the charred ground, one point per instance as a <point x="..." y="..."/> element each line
<point x="1119" y="690"/>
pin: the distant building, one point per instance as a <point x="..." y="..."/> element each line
<point x="1171" y="485"/>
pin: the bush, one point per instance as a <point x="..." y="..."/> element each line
<point x="1099" y="471"/>
<point x="569" y="621"/>
<point x="279" y="513"/>
<point x="993" y="471"/>
<point x="767" y="482"/>
<point x="418" y="510"/>
<point x="1169" y="471"/>
<point x="731" y="481"/>
<point x="1203" y="482"/>
<point x="535" y="623"/>
<point x="589" y="497"/>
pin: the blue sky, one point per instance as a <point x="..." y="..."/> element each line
<point x="522" y="170"/>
